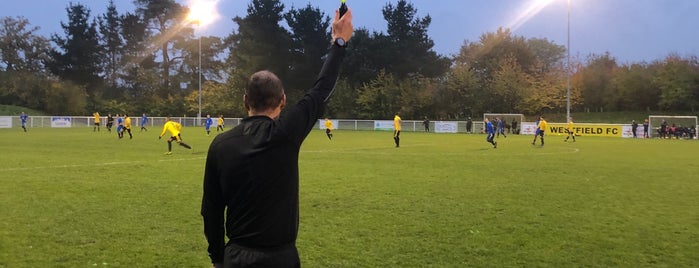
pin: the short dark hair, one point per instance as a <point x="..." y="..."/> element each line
<point x="264" y="91"/>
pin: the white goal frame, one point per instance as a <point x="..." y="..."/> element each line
<point x="654" y="122"/>
<point x="507" y="119"/>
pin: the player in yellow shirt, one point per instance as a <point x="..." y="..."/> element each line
<point x="174" y="128"/>
<point x="220" y="123"/>
<point x="127" y="127"/>
<point x="97" y="122"/>
<point x="396" y="130"/>
<point x="541" y="129"/>
<point x="571" y="130"/>
<point x="329" y="128"/>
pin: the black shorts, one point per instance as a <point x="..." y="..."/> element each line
<point x="238" y="256"/>
<point x="97" y="124"/>
<point x="327" y="131"/>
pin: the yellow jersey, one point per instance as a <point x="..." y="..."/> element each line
<point x="542" y="125"/>
<point x="97" y="117"/>
<point x="396" y="123"/>
<point x="220" y="121"/>
<point x="127" y="122"/>
<point x="570" y="126"/>
<point x="173" y="127"/>
<point x="328" y="124"/>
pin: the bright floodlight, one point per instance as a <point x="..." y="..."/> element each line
<point x="202" y="12"/>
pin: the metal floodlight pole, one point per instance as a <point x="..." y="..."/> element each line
<point x="568" y="70"/>
<point x="199" y="115"/>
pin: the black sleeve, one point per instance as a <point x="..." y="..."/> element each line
<point x="302" y="117"/>
<point x="212" y="209"/>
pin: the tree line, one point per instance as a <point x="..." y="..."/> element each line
<point x="147" y="61"/>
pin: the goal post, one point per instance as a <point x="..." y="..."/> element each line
<point x="508" y="120"/>
<point x="672" y="126"/>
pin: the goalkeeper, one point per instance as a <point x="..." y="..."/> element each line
<point x="174" y="128"/>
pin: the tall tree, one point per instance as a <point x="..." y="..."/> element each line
<point x="678" y="81"/>
<point x="369" y="54"/>
<point x="164" y="18"/>
<point x="141" y="72"/>
<point x="309" y="41"/>
<point x="411" y="52"/>
<point x="78" y="56"/>
<point x="596" y="80"/>
<point x="636" y="88"/>
<point x="110" y="30"/>
<point x="379" y="98"/>
<point x="260" y="44"/>
<point x="21" y="48"/>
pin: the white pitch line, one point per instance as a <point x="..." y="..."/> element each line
<point x="363" y="151"/>
<point x="98" y="164"/>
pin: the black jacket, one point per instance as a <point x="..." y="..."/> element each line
<point x="252" y="170"/>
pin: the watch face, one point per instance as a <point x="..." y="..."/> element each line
<point x="340" y="42"/>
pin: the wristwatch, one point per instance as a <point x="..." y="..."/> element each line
<point x="340" y="42"/>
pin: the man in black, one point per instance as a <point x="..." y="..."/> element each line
<point x="261" y="204"/>
<point x="634" y="126"/>
<point x="426" y="122"/>
<point x="663" y="129"/>
<point x="469" y="124"/>
<point x="513" y="127"/>
<point x="110" y="122"/>
<point x="645" y="128"/>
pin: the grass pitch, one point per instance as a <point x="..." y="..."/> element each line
<point x="75" y="198"/>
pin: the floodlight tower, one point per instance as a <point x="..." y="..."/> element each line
<point x="202" y="13"/>
<point x="568" y="71"/>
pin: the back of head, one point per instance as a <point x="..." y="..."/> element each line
<point x="263" y="91"/>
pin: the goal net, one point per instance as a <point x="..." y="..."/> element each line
<point x="672" y="127"/>
<point x="508" y="119"/>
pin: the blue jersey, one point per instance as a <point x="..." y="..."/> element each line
<point x="23" y="118"/>
<point x="489" y="128"/>
<point x="209" y="122"/>
<point x="144" y="119"/>
<point x="500" y="124"/>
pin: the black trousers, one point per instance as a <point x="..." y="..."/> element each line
<point x="238" y="256"/>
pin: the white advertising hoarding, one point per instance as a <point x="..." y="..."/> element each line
<point x="5" y="122"/>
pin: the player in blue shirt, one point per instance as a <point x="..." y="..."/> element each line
<point x="120" y="126"/>
<point x="208" y="124"/>
<point x="501" y="127"/>
<point x="24" y="117"/>
<point x="144" y="120"/>
<point x="491" y="133"/>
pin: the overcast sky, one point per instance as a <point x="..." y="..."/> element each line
<point x="630" y="30"/>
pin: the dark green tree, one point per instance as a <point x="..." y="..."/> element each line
<point x="78" y="57"/>
<point x="678" y="81"/>
<point x="141" y="73"/>
<point x="368" y="54"/>
<point x="259" y="44"/>
<point x="380" y="98"/>
<point x="596" y="79"/>
<point x="310" y="39"/>
<point x="635" y="86"/>
<point x="21" y="48"/>
<point x="410" y="47"/>
<point x="110" y="33"/>
<point x="164" y="21"/>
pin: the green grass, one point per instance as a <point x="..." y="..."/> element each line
<point x="74" y="198"/>
<point x="12" y="110"/>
